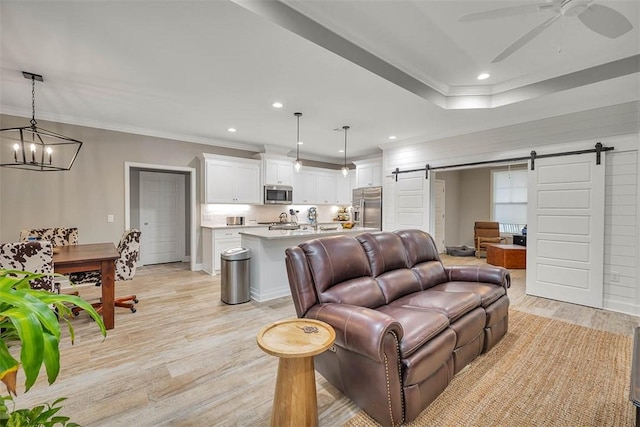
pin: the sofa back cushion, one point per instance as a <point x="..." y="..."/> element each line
<point x="423" y="258"/>
<point x="340" y="271"/>
<point x="388" y="260"/>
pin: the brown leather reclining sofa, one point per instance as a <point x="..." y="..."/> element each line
<point x="405" y="323"/>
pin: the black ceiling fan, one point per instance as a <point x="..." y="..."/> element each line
<point x="601" y="19"/>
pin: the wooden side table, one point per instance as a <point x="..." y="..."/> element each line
<point x="295" y="342"/>
<point x="507" y="256"/>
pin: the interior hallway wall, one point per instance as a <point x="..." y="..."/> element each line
<point x="452" y="207"/>
<point x="475" y="201"/>
<point x="94" y="187"/>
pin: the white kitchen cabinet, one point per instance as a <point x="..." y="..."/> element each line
<point x="315" y="186"/>
<point x="304" y="189"/>
<point x="278" y="172"/>
<point x="326" y="188"/>
<point x="368" y="174"/>
<point x="344" y="187"/>
<point x="231" y="180"/>
<point x="223" y="240"/>
<point x="214" y="241"/>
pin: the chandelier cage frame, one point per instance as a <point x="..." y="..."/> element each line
<point x="34" y="148"/>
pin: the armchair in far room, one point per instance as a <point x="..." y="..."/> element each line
<point x="58" y="236"/>
<point x="485" y="233"/>
<point x="129" y="249"/>
<point x="34" y="257"/>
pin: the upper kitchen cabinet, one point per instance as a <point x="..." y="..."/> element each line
<point x="231" y="180"/>
<point x="278" y="171"/>
<point x="345" y="185"/>
<point x="304" y="189"/>
<point x="315" y="186"/>
<point x="326" y="188"/>
<point x="368" y="173"/>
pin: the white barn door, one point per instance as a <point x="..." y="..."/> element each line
<point x="412" y="202"/>
<point x="439" y="215"/>
<point x="565" y="242"/>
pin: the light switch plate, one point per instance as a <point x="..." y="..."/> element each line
<point x="110" y="218"/>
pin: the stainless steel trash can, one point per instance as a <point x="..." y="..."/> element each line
<point x="235" y="275"/>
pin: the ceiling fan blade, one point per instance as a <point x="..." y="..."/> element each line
<point x="525" y="39"/>
<point x="510" y="11"/>
<point x="605" y="21"/>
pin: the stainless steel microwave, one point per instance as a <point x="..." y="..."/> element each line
<point x="278" y="195"/>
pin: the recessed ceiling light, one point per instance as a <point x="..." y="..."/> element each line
<point x="341" y="151"/>
<point x="392" y="137"/>
<point x="300" y="142"/>
<point x="277" y="105"/>
<point x="483" y="76"/>
<point x="231" y="129"/>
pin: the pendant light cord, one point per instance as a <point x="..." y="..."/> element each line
<point x="346" y="128"/>
<point x="298" y="137"/>
<point x="33" y="102"/>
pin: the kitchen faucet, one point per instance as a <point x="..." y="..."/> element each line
<point x="283" y="218"/>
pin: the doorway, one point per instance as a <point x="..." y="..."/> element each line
<point x="162" y="217"/>
<point x="157" y="179"/>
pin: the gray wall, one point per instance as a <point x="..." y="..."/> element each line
<point x="475" y="201"/>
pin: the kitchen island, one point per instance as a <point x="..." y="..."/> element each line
<point x="268" y="271"/>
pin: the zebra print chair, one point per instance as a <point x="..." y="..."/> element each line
<point x="34" y="257"/>
<point x="58" y="236"/>
<point x="129" y="248"/>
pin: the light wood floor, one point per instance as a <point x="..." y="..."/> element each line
<point x="186" y="359"/>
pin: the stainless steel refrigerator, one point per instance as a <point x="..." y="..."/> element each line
<point x="367" y="207"/>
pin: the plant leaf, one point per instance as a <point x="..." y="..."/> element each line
<point x="31" y="335"/>
<point x="51" y="356"/>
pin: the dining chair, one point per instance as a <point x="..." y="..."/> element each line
<point x="58" y="236"/>
<point x="485" y="233"/>
<point x="34" y="257"/>
<point x="129" y="249"/>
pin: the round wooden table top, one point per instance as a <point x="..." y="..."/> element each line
<point x="296" y="338"/>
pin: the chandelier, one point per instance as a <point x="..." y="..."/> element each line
<point x="34" y="148"/>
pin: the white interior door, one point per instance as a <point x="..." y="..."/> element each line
<point x="439" y="217"/>
<point x="412" y="202"/>
<point x="162" y="217"/>
<point x="565" y="239"/>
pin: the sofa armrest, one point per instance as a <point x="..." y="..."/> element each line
<point x="358" y="329"/>
<point x="479" y="273"/>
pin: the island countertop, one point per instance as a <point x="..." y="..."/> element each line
<point x="268" y="272"/>
<point x="303" y="233"/>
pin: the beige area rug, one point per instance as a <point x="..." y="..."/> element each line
<point x="544" y="372"/>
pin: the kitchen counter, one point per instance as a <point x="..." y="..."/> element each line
<point x="305" y="232"/>
<point x="267" y="266"/>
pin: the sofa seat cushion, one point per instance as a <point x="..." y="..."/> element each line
<point x="419" y="325"/>
<point x="452" y="304"/>
<point x="488" y="293"/>
<point x="430" y="358"/>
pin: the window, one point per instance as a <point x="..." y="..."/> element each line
<point x="510" y="200"/>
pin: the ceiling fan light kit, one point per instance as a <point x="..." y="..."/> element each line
<point x="600" y="19"/>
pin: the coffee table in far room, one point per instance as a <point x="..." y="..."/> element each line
<point x="507" y="256"/>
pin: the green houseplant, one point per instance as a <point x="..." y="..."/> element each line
<point x="30" y="319"/>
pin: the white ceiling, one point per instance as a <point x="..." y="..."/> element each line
<point x="190" y="70"/>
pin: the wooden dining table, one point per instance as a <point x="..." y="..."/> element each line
<point x="92" y="257"/>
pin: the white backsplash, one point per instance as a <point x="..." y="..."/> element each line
<point x="215" y="215"/>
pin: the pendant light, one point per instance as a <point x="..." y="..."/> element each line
<point x="345" y="169"/>
<point x="297" y="164"/>
<point x="34" y="148"/>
